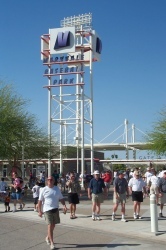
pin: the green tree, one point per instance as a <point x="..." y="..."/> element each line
<point x="157" y="137"/>
<point x="19" y="129"/>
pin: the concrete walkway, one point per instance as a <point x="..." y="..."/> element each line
<point x="133" y="228"/>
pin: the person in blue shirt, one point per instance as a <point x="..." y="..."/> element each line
<point x="95" y="192"/>
<point x="56" y="177"/>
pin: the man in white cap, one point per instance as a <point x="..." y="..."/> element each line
<point x="95" y="192"/>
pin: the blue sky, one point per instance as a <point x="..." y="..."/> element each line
<point x="129" y="81"/>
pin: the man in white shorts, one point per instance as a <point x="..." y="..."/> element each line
<point x="136" y="186"/>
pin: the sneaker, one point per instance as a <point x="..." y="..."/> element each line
<point x="47" y="241"/>
<point x="161" y="215"/>
<point x="93" y="217"/>
<point x="135" y="216"/>
<point x="8" y="208"/>
<point x="138" y="216"/>
<point x="113" y="217"/>
<point x="52" y="247"/>
<point x="123" y="220"/>
<point x="35" y="210"/>
<point x="98" y="218"/>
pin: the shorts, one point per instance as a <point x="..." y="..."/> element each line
<point x="52" y="216"/>
<point x="107" y="184"/>
<point x="6" y="203"/>
<point x="73" y="198"/>
<point x="36" y="200"/>
<point x="16" y="196"/>
<point x="154" y="189"/>
<point x="163" y="198"/>
<point x="137" y="196"/>
<point x="84" y="182"/>
<point x="97" y="198"/>
<point x="121" y="198"/>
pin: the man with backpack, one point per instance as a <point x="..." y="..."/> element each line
<point x="16" y="185"/>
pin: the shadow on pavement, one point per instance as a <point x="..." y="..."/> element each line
<point x="88" y="246"/>
<point x="160" y="233"/>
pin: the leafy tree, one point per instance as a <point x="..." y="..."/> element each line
<point x="157" y="137"/>
<point x="19" y="129"/>
<point x="119" y="167"/>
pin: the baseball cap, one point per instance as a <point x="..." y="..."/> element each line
<point x="120" y="172"/>
<point x="96" y="172"/>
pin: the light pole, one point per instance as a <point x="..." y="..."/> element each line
<point x="22" y="167"/>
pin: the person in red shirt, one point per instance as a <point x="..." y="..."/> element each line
<point x="107" y="177"/>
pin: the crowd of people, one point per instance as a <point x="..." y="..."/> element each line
<point x="47" y="192"/>
<point x="139" y="185"/>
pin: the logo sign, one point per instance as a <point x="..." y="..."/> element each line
<point x="62" y="40"/>
<point x="96" y="46"/>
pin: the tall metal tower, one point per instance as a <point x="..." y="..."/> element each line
<point x="69" y="52"/>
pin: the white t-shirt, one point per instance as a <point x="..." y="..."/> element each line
<point x="131" y="174"/>
<point x="136" y="184"/>
<point x="161" y="173"/>
<point x="126" y="176"/>
<point x="148" y="175"/>
<point x="82" y="176"/>
<point x="115" y="174"/>
<point x="50" y="197"/>
<point x="154" y="180"/>
<point x="35" y="191"/>
<point x="3" y="185"/>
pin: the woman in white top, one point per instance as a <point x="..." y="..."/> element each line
<point x="153" y="181"/>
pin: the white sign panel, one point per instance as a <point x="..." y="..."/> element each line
<point x="62" y="40"/>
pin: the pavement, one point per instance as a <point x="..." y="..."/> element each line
<point x="134" y="229"/>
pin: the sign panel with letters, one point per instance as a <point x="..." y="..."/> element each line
<point x="62" y="40"/>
